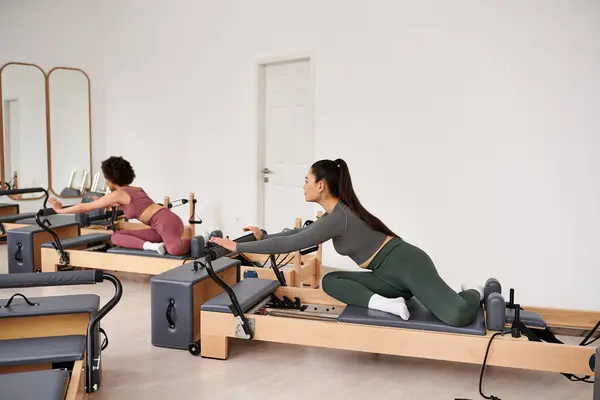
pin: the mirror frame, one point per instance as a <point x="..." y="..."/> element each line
<point x="48" y="119"/>
<point x="47" y="96"/>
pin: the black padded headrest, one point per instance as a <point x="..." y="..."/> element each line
<point x="197" y="245"/>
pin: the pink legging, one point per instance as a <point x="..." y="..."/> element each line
<point x="166" y="227"/>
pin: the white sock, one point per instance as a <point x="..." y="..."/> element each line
<point x="395" y="306"/>
<point x="158" y="247"/>
<point x="467" y="286"/>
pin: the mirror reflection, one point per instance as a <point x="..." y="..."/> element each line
<point x="24" y="130"/>
<point x="70" y="147"/>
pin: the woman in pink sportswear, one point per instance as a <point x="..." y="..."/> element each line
<point x="166" y="228"/>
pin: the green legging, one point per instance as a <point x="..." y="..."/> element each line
<point x="403" y="270"/>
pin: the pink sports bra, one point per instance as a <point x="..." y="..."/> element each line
<point x="138" y="204"/>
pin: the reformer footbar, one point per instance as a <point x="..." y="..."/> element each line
<point x="14" y="218"/>
<point x="11" y="192"/>
<point x="64" y="256"/>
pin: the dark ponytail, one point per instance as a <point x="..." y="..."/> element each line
<point x="337" y="176"/>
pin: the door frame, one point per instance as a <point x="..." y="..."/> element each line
<point x="261" y="66"/>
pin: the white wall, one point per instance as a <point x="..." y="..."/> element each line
<point x="470" y="127"/>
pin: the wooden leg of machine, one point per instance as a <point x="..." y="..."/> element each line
<point x="214" y="347"/>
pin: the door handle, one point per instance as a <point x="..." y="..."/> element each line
<point x="266" y="171"/>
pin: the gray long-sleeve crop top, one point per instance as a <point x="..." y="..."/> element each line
<point x="351" y="236"/>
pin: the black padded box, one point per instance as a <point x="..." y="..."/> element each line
<point x="177" y="296"/>
<point x="24" y="245"/>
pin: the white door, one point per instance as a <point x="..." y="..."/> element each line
<point x="286" y="151"/>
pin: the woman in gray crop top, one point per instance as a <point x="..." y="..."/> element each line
<point x="398" y="270"/>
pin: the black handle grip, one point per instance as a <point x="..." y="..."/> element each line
<point x="309" y="250"/>
<point x="169" y="310"/>
<point x="64" y="278"/>
<point x="9" y="302"/>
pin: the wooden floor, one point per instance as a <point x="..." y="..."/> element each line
<point x="134" y="369"/>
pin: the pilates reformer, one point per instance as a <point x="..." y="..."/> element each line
<point x="95" y="251"/>
<point x="92" y="222"/>
<point x="26" y="241"/>
<point x="504" y="334"/>
<point x="50" y="346"/>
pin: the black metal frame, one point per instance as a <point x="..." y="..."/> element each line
<point x="235" y="307"/>
<point x="90" y="383"/>
<point x="64" y="256"/>
<point x="11" y="192"/>
<point x="276" y="270"/>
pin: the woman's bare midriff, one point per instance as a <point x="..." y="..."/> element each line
<point x="148" y="213"/>
<point x="366" y="263"/>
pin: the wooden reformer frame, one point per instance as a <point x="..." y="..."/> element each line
<point x="49" y="260"/>
<point x="506" y="351"/>
<point x="81" y="258"/>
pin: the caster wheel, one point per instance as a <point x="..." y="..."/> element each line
<point x="194" y="348"/>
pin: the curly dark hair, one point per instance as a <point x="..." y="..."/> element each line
<point x="118" y="171"/>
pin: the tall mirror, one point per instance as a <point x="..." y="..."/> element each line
<point x="23" y="131"/>
<point x="70" y="132"/>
